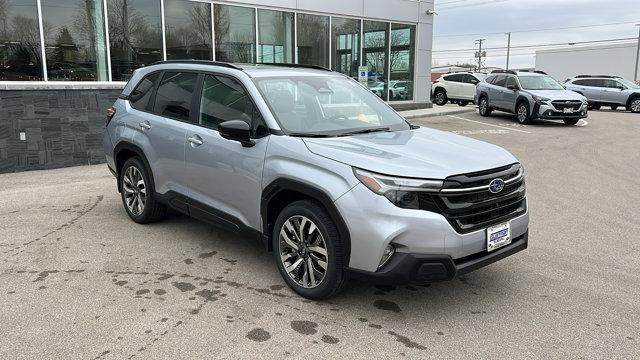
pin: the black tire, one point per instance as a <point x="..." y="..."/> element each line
<point x="483" y="106"/>
<point x="595" y="107"/>
<point x="614" y="107"/>
<point x="463" y="103"/>
<point x="440" y="97"/>
<point x="152" y="210"/>
<point x="634" y="105"/>
<point x="570" y="121"/>
<point x="523" y="113"/>
<point x="334" y="277"/>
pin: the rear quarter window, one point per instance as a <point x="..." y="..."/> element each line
<point x="139" y="97"/>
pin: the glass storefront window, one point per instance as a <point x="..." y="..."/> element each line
<point x="235" y="32"/>
<point x="20" y="55"/>
<point x="74" y="37"/>
<point x="135" y="35"/>
<point x="313" y="40"/>
<point x="275" y="36"/>
<point x="345" y="45"/>
<point x="375" y="47"/>
<point x="188" y="30"/>
<point x="403" y="39"/>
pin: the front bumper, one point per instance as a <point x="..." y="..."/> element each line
<point x="548" y="112"/>
<point x="407" y="268"/>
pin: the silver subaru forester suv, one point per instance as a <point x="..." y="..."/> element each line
<point x="327" y="175"/>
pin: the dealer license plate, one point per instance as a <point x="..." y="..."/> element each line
<point x="498" y="236"/>
<point x="568" y="110"/>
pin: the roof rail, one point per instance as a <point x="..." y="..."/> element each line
<point x="305" y="66"/>
<point x="599" y="76"/>
<point x="504" y="72"/>
<point x="540" y="72"/>
<point x="200" y="62"/>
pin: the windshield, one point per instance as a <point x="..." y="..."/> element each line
<point x="326" y="106"/>
<point x="630" y="84"/>
<point x="539" y="83"/>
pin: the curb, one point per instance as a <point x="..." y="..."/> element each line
<point x="434" y="114"/>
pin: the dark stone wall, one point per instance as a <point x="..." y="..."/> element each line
<point x="62" y="127"/>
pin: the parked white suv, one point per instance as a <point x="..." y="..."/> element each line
<point x="458" y="88"/>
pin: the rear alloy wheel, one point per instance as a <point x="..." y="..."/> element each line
<point x="308" y="250"/>
<point x="138" y="194"/>
<point x="570" y="121"/>
<point x="634" y="105"/>
<point x="440" y="97"/>
<point x="522" y="113"/>
<point x="483" y="107"/>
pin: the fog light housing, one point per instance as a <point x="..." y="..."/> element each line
<point x="386" y="255"/>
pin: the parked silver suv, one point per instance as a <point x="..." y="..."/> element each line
<point x="326" y="174"/>
<point x="529" y="95"/>
<point x="604" y="90"/>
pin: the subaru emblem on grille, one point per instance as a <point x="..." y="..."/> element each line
<point x="496" y="186"/>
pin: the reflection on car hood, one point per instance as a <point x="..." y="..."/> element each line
<point x="420" y="153"/>
<point x="557" y="94"/>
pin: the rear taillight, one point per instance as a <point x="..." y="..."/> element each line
<point x="110" y="113"/>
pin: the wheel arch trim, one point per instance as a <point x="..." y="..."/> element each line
<point x="125" y="145"/>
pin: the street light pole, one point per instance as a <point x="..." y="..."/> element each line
<point x="635" y="73"/>
<point x="508" y="48"/>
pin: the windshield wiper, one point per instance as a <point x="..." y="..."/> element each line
<point x="365" y="131"/>
<point x="310" y="135"/>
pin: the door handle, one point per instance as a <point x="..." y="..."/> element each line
<point x="145" y="125"/>
<point x="195" y="140"/>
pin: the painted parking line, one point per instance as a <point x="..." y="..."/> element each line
<point x="483" y="123"/>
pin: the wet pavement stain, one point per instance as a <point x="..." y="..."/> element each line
<point x="121" y="282"/>
<point x="207" y="255"/>
<point x="304" y="327"/>
<point x="188" y="261"/>
<point x="258" y="335"/>
<point x="159" y="291"/>
<point x="375" y="326"/>
<point x="406" y="341"/>
<point x="142" y="291"/>
<point x="208" y="295"/>
<point x="276" y="287"/>
<point x="43" y="275"/>
<point x="330" y="339"/>
<point x="387" y="306"/>
<point x="184" y="286"/>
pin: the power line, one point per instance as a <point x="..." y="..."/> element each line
<point x="537" y="45"/>
<point x="539" y="30"/>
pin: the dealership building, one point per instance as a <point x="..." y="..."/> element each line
<point x="62" y="62"/>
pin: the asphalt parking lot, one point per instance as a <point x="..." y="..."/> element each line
<point x="79" y="280"/>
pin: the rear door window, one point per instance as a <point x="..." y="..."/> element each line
<point x="174" y="95"/>
<point x="454" y="77"/>
<point x="139" y="97"/>
<point x="500" y="80"/>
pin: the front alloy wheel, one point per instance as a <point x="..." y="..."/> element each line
<point x="523" y="113"/>
<point x="635" y="106"/>
<point x="303" y="251"/>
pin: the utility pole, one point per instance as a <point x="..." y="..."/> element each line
<point x="479" y="55"/>
<point x="508" y="47"/>
<point x="635" y="74"/>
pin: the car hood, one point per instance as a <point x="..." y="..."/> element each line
<point x="557" y="94"/>
<point x="419" y="153"/>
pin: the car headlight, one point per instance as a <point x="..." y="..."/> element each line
<point x="402" y="192"/>
<point x="540" y="100"/>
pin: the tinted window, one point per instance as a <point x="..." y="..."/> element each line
<point x="611" y="83"/>
<point x="224" y="99"/>
<point x="174" y="95"/>
<point x="19" y="41"/>
<point x="135" y="35"/>
<point x="581" y="82"/>
<point x="490" y="79"/>
<point x="235" y="32"/>
<point x="139" y="97"/>
<point x="511" y="81"/>
<point x="470" y="79"/>
<point x="500" y="80"/>
<point x="454" y="77"/>
<point x="188" y="29"/>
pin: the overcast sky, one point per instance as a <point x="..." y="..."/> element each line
<point x="493" y="18"/>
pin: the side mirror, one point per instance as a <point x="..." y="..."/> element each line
<point x="621" y="88"/>
<point x="512" y="87"/>
<point x="236" y="130"/>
